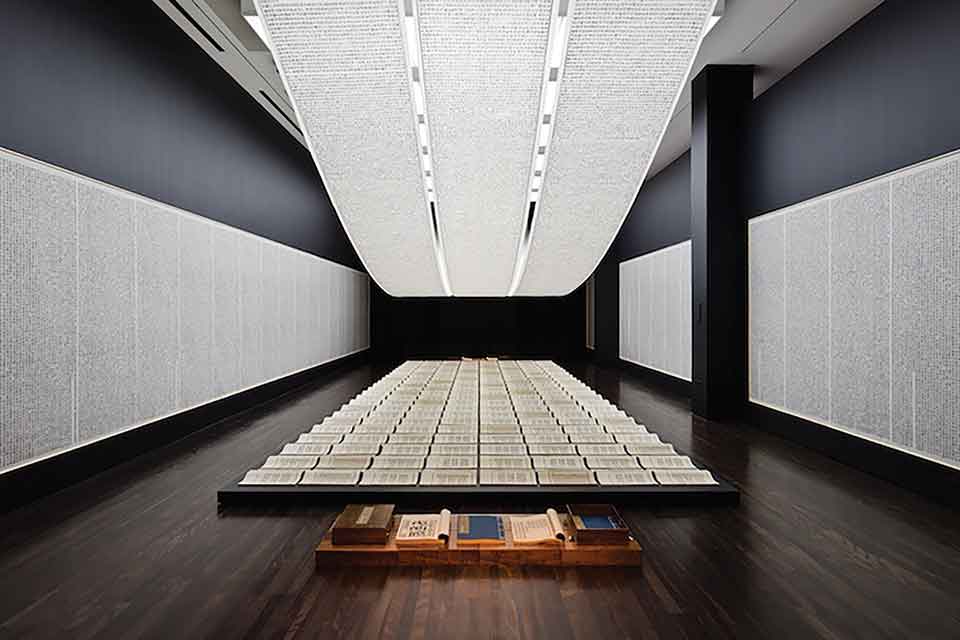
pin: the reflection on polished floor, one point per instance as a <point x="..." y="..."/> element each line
<point x="815" y="549"/>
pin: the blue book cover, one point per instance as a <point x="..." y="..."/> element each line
<point x="480" y="529"/>
<point x="598" y="522"/>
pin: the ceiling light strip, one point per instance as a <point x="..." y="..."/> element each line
<point x="410" y="29"/>
<point x="609" y="143"/>
<point x="560" y="17"/>
<point x="333" y="73"/>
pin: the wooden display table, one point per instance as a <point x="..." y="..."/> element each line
<point x="564" y="554"/>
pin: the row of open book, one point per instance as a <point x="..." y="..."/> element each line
<point x="555" y="431"/>
<point x="373" y="524"/>
<point x="473" y="477"/>
<point x="311" y="443"/>
<point x="531" y="393"/>
<point x="484" y="461"/>
<point x="480" y="529"/>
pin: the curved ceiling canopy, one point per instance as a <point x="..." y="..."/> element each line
<point x="483" y="147"/>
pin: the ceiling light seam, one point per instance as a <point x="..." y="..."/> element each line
<point x="555" y="59"/>
<point x="308" y="140"/>
<point x="653" y="153"/>
<point x="652" y="156"/>
<point x="413" y="53"/>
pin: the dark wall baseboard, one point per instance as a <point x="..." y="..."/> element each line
<point x="930" y="479"/>
<point x="927" y="478"/>
<point x="28" y="483"/>
<point x="657" y="379"/>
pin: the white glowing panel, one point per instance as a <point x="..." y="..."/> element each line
<point x="625" y="65"/>
<point x="345" y="68"/>
<point x="38" y="303"/>
<point x="106" y="310"/>
<point x="158" y="287"/>
<point x="483" y="62"/>
<point x="655" y="310"/>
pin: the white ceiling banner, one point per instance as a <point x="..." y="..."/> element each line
<point x="344" y="67"/>
<point x="626" y="64"/>
<point x="483" y="147"/>
<point x="482" y="67"/>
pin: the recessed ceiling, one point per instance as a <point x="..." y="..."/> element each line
<point x="483" y="147"/>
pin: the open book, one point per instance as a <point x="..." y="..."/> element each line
<point x="540" y="528"/>
<point x="429" y="529"/>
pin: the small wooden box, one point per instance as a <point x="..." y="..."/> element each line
<point x="360" y="524"/>
<point x="584" y="534"/>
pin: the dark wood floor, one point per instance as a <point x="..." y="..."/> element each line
<point x="815" y="549"/>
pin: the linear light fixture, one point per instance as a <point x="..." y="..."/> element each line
<point x="345" y="70"/>
<point x="546" y="121"/>
<point x="715" y="17"/>
<point x="410" y="28"/>
<point x="257" y="25"/>
<point x="615" y="106"/>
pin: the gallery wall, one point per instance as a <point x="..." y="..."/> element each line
<point x="853" y="259"/>
<point x="443" y="327"/>
<point x="117" y="310"/>
<point x="165" y="241"/>
<point x="659" y="218"/>
<point x="116" y="91"/>
<point x="869" y="266"/>
<point x="855" y="309"/>
<point x="880" y="97"/>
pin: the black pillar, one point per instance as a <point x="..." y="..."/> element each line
<point x="721" y="97"/>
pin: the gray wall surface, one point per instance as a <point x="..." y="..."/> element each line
<point x="116" y="91"/>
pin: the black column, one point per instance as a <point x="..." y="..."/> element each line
<point x="721" y="97"/>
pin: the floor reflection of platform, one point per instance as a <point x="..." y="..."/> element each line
<point x="563" y="554"/>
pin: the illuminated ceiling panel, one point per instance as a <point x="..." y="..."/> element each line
<point x="625" y="65"/>
<point x="482" y="67"/>
<point x="483" y="148"/>
<point x="344" y="66"/>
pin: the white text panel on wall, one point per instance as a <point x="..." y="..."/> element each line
<point x="855" y="309"/>
<point x="655" y="311"/>
<point x="116" y="310"/>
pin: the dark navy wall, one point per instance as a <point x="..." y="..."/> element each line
<point x="881" y="96"/>
<point x="552" y="328"/>
<point x="659" y="217"/>
<point x="117" y="92"/>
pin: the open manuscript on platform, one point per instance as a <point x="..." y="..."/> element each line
<point x="539" y="528"/>
<point x="272" y="477"/>
<point x="430" y="529"/>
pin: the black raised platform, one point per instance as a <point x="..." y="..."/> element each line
<point x="723" y="493"/>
